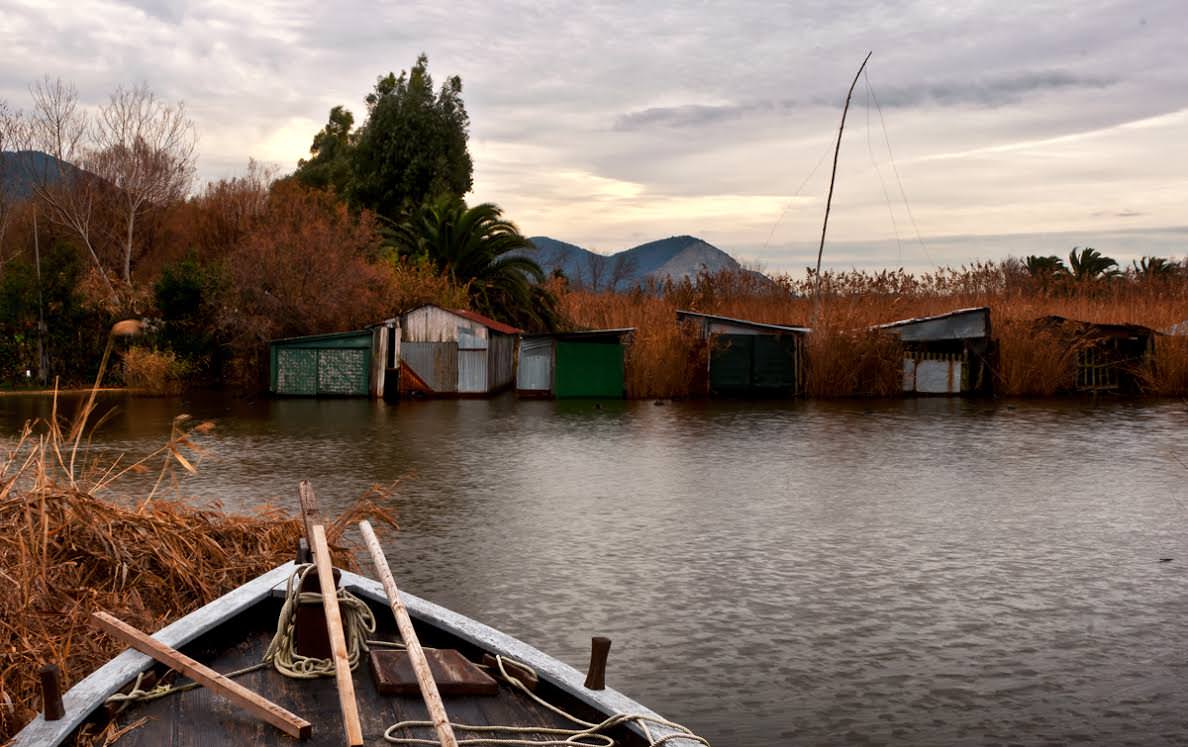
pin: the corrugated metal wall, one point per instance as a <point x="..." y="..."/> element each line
<point x="435" y="363"/>
<point x="501" y="361"/>
<point x="535" y="372"/>
<point x="472" y="372"/>
<point x="431" y="324"/>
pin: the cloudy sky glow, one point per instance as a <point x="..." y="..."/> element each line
<point x="1013" y="130"/>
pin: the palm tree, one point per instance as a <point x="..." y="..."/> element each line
<point x="478" y="248"/>
<point x="1152" y="267"/>
<point x="1090" y="264"/>
<point x="1045" y="267"/>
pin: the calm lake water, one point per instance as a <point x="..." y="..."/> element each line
<point x="913" y="572"/>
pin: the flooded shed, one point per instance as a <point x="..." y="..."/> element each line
<point x="455" y="352"/>
<point x="751" y="359"/>
<point x="589" y="363"/>
<point x="947" y="353"/>
<point x="336" y="364"/>
<point x="1113" y="358"/>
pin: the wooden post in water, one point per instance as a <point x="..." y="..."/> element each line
<point x="338" y="647"/>
<point x="253" y="703"/>
<point x="416" y="655"/>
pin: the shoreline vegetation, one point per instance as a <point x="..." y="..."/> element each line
<point x="374" y="223"/>
<point x="72" y="544"/>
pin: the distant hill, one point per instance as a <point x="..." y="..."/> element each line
<point x="21" y="170"/>
<point x="676" y="257"/>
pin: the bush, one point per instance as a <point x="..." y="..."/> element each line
<point x="155" y="371"/>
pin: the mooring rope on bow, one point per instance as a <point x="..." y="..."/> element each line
<point x="357" y="622"/>
<point x="594" y="734"/>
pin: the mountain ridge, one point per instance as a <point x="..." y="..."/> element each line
<point x="676" y="258"/>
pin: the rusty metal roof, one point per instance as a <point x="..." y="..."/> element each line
<point x="486" y="321"/>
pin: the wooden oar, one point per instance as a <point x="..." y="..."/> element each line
<point x="338" y="648"/>
<point x="416" y="655"/>
<point x="253" y="703"/>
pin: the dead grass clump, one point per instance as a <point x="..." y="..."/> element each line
<point x="65" y="553"/>
<point x="854" y="363"/>
<point x="1171" y="366"/>
<point x="1034" y="361"/>
<point x="155" y="371"/>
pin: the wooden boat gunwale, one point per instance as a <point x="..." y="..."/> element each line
<point x="91" y="692"/>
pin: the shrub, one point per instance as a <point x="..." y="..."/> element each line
<point x="155" y="371"/>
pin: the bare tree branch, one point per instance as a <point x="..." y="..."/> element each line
<point x="57" y="126"/>
<point x="144" y="148"/>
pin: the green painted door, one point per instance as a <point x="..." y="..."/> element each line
<point x="774" y="364"/>
<point x="754" y="365"/>
<point x="589" y="369"/>
<point x="730" y="364"/>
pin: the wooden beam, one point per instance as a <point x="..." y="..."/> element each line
<point x="416" y="654"/>
<point x="256" y="704"/>
<point x="309" y="509"/>
<point x="338" y="648"/>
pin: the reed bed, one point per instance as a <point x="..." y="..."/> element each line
<point x="845" y="360"/>
<point x="65" y="553"/>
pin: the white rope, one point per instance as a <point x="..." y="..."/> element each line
<point x="357" y="619"/>
<point x="357" y="622"/>
<point x="593" y="734"/>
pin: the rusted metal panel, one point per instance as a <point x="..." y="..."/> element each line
<point x="435" y="363"/>
<point x="501" y="361"/>
<point x="472" y="372"/>
<point x="535" y="372"/>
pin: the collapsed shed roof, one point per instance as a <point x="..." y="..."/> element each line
<point x="761" y="326"/>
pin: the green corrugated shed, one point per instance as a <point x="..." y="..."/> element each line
<point x="333" y="364"/>
<point x="589" y="363"/>
<point x="755" y="365"/>
<point x="751" y="359"/>
<point x="589" y="368"/>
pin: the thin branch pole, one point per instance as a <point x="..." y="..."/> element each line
<point x="416" y="654"/>
<point x="829" y="200"/>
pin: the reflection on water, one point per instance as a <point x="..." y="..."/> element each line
<point x="916" y="572"/>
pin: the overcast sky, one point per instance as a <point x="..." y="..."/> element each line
<point x="610" y="124"/>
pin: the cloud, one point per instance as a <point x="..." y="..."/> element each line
<point x="992" y="92"/>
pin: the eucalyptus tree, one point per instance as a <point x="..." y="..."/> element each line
<point x="479" y="249"/>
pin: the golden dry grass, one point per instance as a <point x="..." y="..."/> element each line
<point x="65" y="553"/>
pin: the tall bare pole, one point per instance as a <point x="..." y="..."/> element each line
<point x="829" y="200"/>
<point x="42" y="357"/>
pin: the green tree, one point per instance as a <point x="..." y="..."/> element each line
<point x="1089" y="264"/>
<point x="477" y="248"/>
<point x="411" y="148"/>
<point x="330" y="164"/>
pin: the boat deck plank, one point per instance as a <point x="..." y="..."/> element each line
<point x="199" y="717"/>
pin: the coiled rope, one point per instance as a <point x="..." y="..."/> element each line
<point x="357" y="623"/>
<point x="589" y="733"/>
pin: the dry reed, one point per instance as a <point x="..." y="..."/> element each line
<point x="65" y="553"/>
